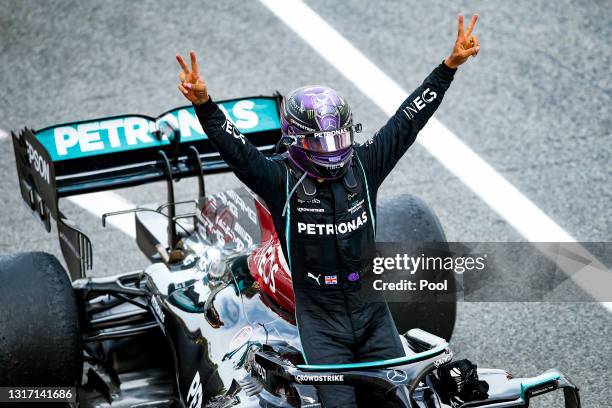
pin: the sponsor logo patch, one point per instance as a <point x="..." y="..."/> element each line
<point x="443" y="360"/>
<point x="353" y="277"/>
<point x="397" y="376"/>
<point x="356" y="206"/>
<point x="39" y="164"/>
<point x="97" y="137"/>
<point x="319" y="378"/>
<point x="315" y="277"/>
<point x="541" y="389"/>
<point x="311" y="210"/>
<point x="158" y="310"/>
<point x="313" y="201"/>
<point x="332" y="229"/>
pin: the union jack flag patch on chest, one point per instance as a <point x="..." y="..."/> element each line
<point x="331" y="280"/>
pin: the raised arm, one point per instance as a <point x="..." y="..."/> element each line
<point x="259" y="173"/>
<point x="383" y="151"/>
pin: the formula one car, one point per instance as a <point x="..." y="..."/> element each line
<point x="210" y="321"/>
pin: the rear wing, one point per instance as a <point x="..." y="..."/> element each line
<point x="125" y="151"/>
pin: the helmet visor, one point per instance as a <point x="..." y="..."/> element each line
<point x="327" y="142"/>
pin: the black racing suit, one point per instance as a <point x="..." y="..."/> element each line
<point x="328" y="232"/>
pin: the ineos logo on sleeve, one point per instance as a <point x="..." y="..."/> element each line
<point x="419" y="103"/>
<point x="232" y="130"/>
<point x="40" y="165"/>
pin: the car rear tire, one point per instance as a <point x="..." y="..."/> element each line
<point x="39" y="322"/>
<point x="409" y="219"/>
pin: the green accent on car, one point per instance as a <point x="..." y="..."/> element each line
<point x="180" y="300"/>
<point x="376" y="364"/>
<point x="528" y="383"/>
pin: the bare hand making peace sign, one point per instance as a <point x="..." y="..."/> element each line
<point x="465" y="46"/>
<point x="192" y="85"/>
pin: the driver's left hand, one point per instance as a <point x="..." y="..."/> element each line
<point x="466" y="44"/>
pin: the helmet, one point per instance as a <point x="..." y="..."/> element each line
<point x="317" y="126"/>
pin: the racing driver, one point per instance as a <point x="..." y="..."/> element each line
<point x="322" y="196"/>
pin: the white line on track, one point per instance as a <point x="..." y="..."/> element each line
<point x="505" y="199"/>
<point x="104" y="202"/>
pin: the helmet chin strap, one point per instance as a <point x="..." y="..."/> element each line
<point x="293" y="191"/>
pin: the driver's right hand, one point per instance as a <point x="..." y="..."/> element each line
<point x="192" y="85"/>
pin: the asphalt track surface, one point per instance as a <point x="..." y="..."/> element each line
<point x="535" y="105"/>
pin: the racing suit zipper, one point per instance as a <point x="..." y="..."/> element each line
<point x="341" y="277"/>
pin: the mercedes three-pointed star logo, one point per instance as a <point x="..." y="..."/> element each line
<point x="397" y="376"/>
